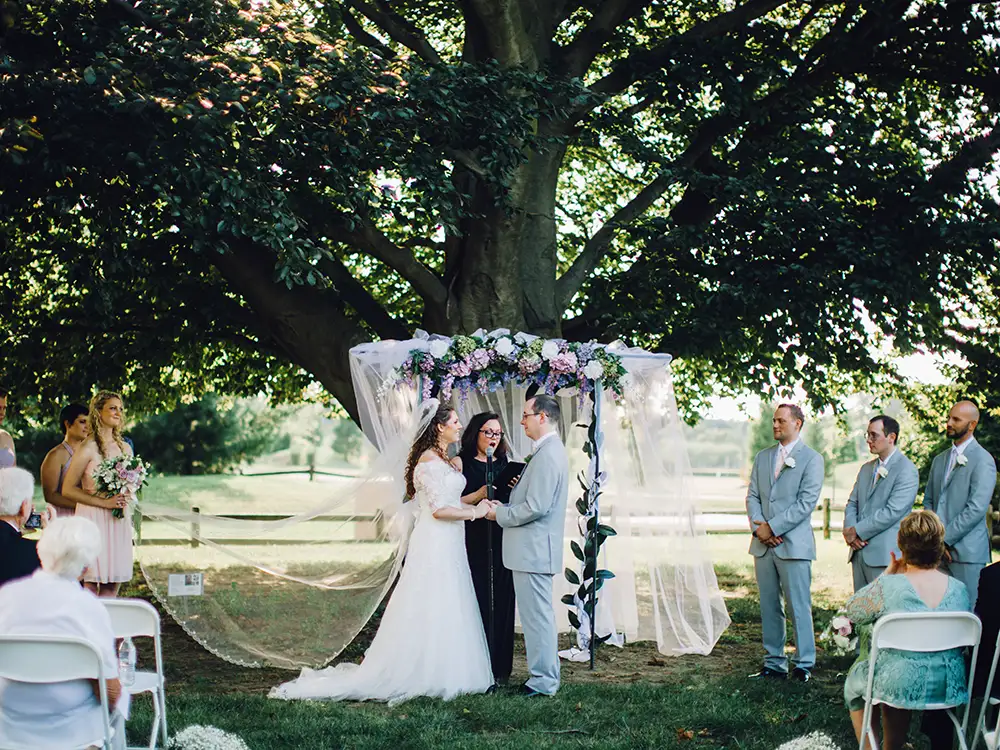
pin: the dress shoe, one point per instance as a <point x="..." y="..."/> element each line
<point x="768" y="673"/>
<point x="528" y="692"/>
<point x="492" y="689"/>
<point x="801" y="675"/>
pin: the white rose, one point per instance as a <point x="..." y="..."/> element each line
<point x="883" y="472"/>
<point x="841" y="641"/>
<point x="594" y="369"/>
<point x="504" y="347"/>
<point x="840" y="622"/>
<point x="440" y="347"/>
<point x="790" y="462"/>
<point x="961" y="460"/>
<point x="550" y="349"/>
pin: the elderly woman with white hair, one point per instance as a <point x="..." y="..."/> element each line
<point x="52" y="602"/>
<point x="18" y="557"/>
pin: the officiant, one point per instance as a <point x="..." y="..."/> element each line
<point x="483" y="433"/>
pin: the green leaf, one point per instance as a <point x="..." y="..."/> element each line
<point x="568" y="600"/>
<point x="573" y="619"/>
<point x="572" y="577"/>
<point x="577" y="552"/>
<point x="89" y="75"/>
<point x="606" y="531"/>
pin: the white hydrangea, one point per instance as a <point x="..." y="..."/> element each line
<point x="811" y="741"/>
<point x="594" y="369"/>
<point x="550" y="349"/>
<point x="439" y="347"/>
<point x="504" y="347"/>
<point x="198" y="737"/>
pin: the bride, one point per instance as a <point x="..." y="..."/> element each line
<point x="430" y="640"/>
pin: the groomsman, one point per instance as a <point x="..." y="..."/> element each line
<point x="785" y="485"/>
<point x="883" y="495"/>
<point x="959" y="490"/>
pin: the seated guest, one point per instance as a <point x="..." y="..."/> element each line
<point x="76" y="429"/>
<point x="906" y="680"/>
<point x="7" y="456"/>
<point x="18" y="557"/>
<point x="64" y="714"/>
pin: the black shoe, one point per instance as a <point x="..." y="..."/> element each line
<point x="801" y="675"/>
<point x="769" y="673"/>
<point x="528" y="692"/>
<point x="492" y="689"/>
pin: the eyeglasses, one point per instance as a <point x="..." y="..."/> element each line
<point x="531" y="414"/>
<point x="873" y="436"/>
<point x="491" y="433"/>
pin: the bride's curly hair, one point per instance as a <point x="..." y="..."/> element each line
<point x="426" y="441"/>
<point x="94" y="418"/>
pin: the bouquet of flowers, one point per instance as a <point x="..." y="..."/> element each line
<point x="198" y="737"/>
<point x="840" y="637"/>
<point x="121" y="475"/>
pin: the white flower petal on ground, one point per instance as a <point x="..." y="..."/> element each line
<point x="811" y="741"/>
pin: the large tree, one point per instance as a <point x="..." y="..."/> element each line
<point x="230" y="194"/>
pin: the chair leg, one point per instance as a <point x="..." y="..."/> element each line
<point x="163" y="715"/>
<point x="154" y="731"/>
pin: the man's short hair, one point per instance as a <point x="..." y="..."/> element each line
<point x="69" y="545"/>
<point x="889" y="425"/>
<point x="547" y="405"/>
<point x="795" y="410"/>
<point x="16" y="486"/>
<point x="69" y="414"/>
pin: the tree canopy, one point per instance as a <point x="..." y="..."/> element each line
<point x="229" y="194"/>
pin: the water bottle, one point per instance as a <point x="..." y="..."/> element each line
<point x="126" y="662"/>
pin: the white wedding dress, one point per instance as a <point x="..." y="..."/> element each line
<point x="431" y="640"/>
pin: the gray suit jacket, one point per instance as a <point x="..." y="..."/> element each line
<point x="786" y="503"/>
<point x="962" y="501"/>
<point x="875" y="512"/>
<point x="534" y="520"/>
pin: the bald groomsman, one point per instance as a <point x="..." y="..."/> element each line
<point x="959" y="490"/>
<point x="785" y="485"/>
<point x="883" y="494"/>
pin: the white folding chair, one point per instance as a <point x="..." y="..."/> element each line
<point x="44" y="659"/>
<point x="131" y="618"/>
<point x="989" y="737"/>
<point x="924" y="632"/>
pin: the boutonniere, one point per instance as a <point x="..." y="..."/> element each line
<point x="882" y="472"/>
<point x="527" y="459"/>
<point x="789" y="463"/>
<point x="961" y="460"/>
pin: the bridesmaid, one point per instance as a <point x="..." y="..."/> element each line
<point x="7" y="456"/>
<point x="113" y="566"/>
<point x="484" y="431"/>
<point x="75" y="421"/>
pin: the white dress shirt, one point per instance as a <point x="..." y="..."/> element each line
<point x="956" y="451"/>
<point x="63" y="714"/>
<point x="880" y="464"/>
<point x="543" y="438"/>
<point x="783" y="452"/>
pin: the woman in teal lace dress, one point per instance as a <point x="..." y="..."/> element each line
<point x="906" y="680"/>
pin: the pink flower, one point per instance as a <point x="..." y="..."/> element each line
<point x="461" y="369"/>
<point x="479" y="359"/>
<point x="563" y="362"/>
<point x="529" y="364"/>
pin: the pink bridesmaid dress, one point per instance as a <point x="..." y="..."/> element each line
<point x="114" y="561"/>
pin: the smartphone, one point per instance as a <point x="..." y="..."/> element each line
<point x="34" y="521"/>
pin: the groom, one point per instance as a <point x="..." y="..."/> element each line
<point x="533" y="540"/>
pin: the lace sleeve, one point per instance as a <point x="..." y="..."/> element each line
<point x="429" y="479"/>
<point x="867" y="604"/>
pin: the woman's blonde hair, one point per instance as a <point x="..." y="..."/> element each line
<point x="921" y="539"/>
<point x="94" y="418"/>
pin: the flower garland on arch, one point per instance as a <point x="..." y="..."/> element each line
<point x="488" y="362"/>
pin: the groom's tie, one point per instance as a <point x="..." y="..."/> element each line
<point x="781" y="461"/>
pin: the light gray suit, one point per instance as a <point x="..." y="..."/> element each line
<point x="784" y="573"/>
<point x="533" y="525"/>
<point x="875" y="513"/>
<point x="961" y="503"/>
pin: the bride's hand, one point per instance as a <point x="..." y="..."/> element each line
<point x="483" y="508"/>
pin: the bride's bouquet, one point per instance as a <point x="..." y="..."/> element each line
<point x="840" y="637"/>
<point x="120" y="475"/>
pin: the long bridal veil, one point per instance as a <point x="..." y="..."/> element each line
<point x="295" y="591"/>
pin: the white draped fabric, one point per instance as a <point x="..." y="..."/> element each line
<point x="664" y="590"/>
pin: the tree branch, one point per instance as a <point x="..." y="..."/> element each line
<point x="397" y="27"/>
<point x="355" y="295"/>
<point x="356" y="30"/>
<point x="639" y="64"/>
<point x="578" y="55"/>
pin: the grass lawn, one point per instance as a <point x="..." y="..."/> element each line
<point x="637" y="698"/>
